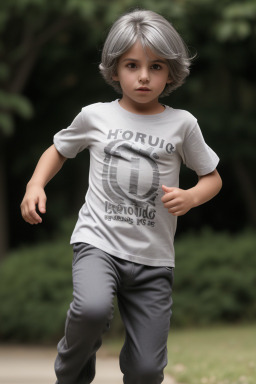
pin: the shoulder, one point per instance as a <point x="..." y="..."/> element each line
<point x="182" y="116"/>
<point x="96" y="108"/>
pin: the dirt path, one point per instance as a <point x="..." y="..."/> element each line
<point x="34" y="365"/>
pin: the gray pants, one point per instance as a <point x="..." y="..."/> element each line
<point x="144" y="300"/>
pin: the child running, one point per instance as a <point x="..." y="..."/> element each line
<point x="123" y="239"/>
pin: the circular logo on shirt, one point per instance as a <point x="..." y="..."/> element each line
<point x="130" y="173"/>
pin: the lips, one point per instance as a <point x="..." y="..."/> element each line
<point x="143" y="89"/>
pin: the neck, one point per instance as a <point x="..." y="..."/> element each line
<point x="152" y="108"/>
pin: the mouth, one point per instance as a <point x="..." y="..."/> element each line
<point x="143" y="89"/>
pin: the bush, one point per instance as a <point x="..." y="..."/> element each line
<point x="214" y="282"/>
<point x="215" y="279"/>
<point x="35" y="292"/>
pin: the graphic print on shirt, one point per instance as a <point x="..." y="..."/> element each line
<point x="131" y="177"/>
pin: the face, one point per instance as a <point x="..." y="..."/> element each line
<point x="142" y="76"/>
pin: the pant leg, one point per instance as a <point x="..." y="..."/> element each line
<point x="145" y="306"/>
<point x="94" y="284"/>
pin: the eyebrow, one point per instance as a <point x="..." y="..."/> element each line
<point x="151" y="61"/>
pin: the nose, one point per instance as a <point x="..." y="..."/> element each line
<point x="144" y="75"/>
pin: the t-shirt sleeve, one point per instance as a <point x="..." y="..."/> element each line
<point x="73" y="139"/>
<point x="197" y="155"/>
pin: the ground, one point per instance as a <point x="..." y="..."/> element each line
<point x="30" y="365"/>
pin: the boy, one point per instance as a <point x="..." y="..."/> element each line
<point x="123" y="239"/>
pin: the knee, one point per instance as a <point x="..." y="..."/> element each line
<point x="94" y="311"/>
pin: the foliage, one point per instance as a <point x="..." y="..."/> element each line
<point x="214" y="282"/>
<point x="15" y="103"/>
<point x="35" y="291"/>
<point x="214" y="279"/>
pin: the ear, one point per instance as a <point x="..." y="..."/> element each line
<point x="115" y="78"/>
<point x="169" y="80"/>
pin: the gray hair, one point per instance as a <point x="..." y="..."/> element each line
<point x="155" y="33"/>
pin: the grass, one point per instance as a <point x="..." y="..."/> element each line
<point x="217" y="355"/>
<point x="224" y="355"/>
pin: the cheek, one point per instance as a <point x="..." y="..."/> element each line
<point x="161" y="78"/>
<point x="125" y="80"/>
<point x="162" y="82"/>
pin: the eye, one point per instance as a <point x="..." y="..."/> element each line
<point x="156" y="67"/>
<point x="131" y="65"/>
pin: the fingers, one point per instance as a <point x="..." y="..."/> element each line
<point x="167" y="189"/>
<point x="169" y="196"/>
<point x="29" y="214"/>
<point x="176" y="211"/>
<point x="29" y="208"/>
<point x="174" y="200"/>
<point x="42" y="204"/>
<point x="173" y="206"/>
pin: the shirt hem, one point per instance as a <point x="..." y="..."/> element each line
<point x="206" y="171"/>
<point x="62" y="150"/>
<point x="124" y="256"/>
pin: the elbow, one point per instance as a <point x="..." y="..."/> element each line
<point x="218" y="181"/>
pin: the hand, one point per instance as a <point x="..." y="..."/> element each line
<point x="177" y="201"/>
<point x="34" y="197"/>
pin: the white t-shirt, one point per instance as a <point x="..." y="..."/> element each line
<point x="131" y="157"/>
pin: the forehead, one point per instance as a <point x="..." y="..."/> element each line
<point x="140" y="53"/>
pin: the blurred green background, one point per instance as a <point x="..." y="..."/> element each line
<point x="50" y="52"/>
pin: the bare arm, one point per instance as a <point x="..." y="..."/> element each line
<point x="179" y="201"/>
<point x="48" y="165"/>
